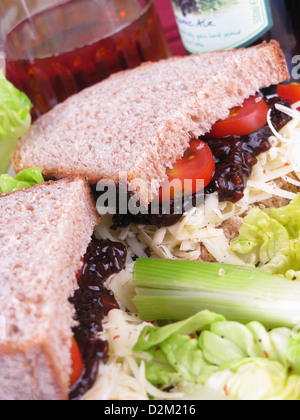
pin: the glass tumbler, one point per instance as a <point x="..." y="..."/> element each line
<point x="54" y="49"/>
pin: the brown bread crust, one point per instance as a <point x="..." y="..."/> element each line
<point x="45" y="231"/>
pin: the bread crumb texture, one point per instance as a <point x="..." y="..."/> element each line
<point x="44" y="233"/>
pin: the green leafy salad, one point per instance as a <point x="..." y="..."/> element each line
<point x="15" y="121"/>
<point x="24" y="179"/>
<point x="216" y="329"/>
<point x="237" y="330"/>
<point x="240" y="361"/>
<point x="270" y="239"/>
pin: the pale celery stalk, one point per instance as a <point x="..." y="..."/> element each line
<point x="168" y="289"/>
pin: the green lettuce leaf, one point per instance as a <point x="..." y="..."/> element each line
<point x="222" y="357"/>
<point x="15" y="120"/>
<point x="288" y="217"/>
<point x="293" y="354"/>
<point x="176" y="356"/>
<point x="270" y="239"/>
<point x="25" y="179"/>
<point x="250" y="379"/>
<point x="152" y="336"/>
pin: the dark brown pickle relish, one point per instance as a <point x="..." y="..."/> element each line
<point x="235" y="156"/>
<point x="92" y="303"/>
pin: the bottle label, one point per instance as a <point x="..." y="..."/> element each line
<point x="210" y="25"/>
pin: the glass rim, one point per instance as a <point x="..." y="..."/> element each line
<point x="11" y="16"/>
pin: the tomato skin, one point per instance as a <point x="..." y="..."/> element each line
<point x="77" y="363"/>
<point x="242" y="120"/>
<point x="80" y="272"/>
<point x="289" y="92"/>
<point x="197" y="164"/>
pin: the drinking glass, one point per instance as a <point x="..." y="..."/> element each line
<point x="54" y="49"/>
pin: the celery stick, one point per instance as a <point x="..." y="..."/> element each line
<point x="225" y="278"/>
<point x="168" y="289"/>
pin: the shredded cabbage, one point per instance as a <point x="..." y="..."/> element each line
<point x="124" y="376"/>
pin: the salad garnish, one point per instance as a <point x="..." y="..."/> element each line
<point x="238" y="361"/>
<point x="270" y="239"/>
<point x="25" y="179"/>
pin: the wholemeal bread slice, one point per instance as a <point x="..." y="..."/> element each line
<point x="139" y="122"/>
<point x="45" y="231"/>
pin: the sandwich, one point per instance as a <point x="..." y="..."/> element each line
<point x="136" y="126"/>
<point x="45" y="232"/>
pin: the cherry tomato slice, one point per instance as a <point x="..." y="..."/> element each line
<point x="197" y="164"/>
<point x="242" y="120"/>
<point x="289" y="92"/>
<point x="77" y="363"/>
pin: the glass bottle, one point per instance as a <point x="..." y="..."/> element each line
<point x="209" y="25"/>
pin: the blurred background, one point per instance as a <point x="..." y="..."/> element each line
<point x="164" y="8"/>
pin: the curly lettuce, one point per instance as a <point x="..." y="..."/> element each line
<point x="223" y="358"/>
<point x="270" y="239"/>
<point x="15" y="120"/>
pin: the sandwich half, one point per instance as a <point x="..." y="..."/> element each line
<point x="138" y="123"/>
<point x="45" y="231"/>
